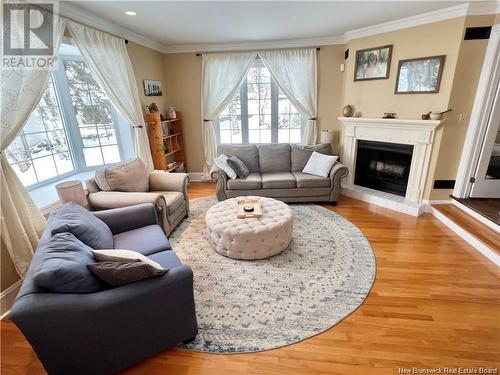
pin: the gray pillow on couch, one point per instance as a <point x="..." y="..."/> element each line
<point x="63" y="268"/>
<point x="77" y="220"/>
<point x="238" y="167"/>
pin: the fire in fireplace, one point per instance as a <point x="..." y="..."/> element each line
<point x="383" y="166"/>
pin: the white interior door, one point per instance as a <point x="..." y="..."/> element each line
<point x="487" y="176"/>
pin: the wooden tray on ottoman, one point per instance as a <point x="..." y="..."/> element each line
<point x="254" y="202"/>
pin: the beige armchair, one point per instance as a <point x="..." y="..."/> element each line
<point x="167" y="191"/>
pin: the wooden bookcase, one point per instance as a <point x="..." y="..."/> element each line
<point x="166" y="142"/>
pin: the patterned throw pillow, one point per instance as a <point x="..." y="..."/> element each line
<point x="319" y="164"/>
<point x="301" y="154"/>
<point x="238" y="166"/>
<point x="118" y="267"/>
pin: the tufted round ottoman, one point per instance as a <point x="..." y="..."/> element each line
<point x="253" y="238"/>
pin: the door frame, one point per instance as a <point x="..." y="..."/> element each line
<point x="480" y="115"/>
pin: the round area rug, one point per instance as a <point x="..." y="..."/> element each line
<point x="247" y="306"/>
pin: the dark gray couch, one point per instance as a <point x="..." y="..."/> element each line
<point x="276" y="172"/>
<point x="106" y="331"/>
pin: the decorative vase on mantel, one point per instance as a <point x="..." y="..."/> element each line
<point x="347" y="110"/>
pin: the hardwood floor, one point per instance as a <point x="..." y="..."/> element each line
<point x="435" y="303"/>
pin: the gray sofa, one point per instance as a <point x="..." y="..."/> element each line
<point x="276" y="172"/>
<point x="106" y="331"/>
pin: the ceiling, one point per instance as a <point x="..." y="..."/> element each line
<point x="184" y="22"/>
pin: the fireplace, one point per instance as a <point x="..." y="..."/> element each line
<point x="383" y="166"/>
<point x="404" y="141"/>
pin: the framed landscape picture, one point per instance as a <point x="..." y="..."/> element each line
<point x="152" y="88"/>
<point x="419" y="76"/>
<point x="373" y="63"/>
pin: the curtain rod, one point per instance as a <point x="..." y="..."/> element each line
<point x="201" y="53"/>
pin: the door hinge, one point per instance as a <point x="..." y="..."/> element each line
<point x="472" y="180"/>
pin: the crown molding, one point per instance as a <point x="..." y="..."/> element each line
<point x="75" y="13"/>
<point x="473" y="8"/>
<point x="404" y="23"/>
<point x="467" y="9"/>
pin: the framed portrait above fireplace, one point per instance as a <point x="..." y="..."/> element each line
<point x="373" y="63"/>
<point x="419" y="76"/>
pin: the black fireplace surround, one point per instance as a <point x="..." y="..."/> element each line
<point x="383" y="166"/>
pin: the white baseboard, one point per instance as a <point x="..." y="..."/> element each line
<point x="477" y="216"/>
<point x="7" y="298"/>
<point x="198" y="176"/>
<point x="471" y="240"/>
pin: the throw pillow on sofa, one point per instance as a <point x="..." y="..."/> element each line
<point x="319" y="164"/>
<point x="301" y="154"/>
<point x="130" y="175"/>
<point x="80" y="222"/>
<point x="221" y="162"/>
<point x="119" y="267"/>
<point x="238" y="167"/>
<point x="63" y="268"/>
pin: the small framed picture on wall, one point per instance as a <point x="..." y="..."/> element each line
<point x="152" y="88"/>
<point x="419" y="76"/>
<point x="373" y="63"/>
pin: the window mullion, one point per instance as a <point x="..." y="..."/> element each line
<point x="69" y="116"/>
<point x="274" y="111"/>
<point x="244" y="111"/>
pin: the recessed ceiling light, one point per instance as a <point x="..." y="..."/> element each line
<point x="130" y="13"/>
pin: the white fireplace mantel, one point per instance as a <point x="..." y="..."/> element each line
<point x="419" y="133"/>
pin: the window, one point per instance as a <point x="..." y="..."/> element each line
<point x="74" y="129"/>
<point x="94" y="115"/>
<point x="41" y="151"/>
<point x="259" y="113"/>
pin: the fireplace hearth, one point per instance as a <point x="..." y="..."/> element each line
<point x="383" y="166"/>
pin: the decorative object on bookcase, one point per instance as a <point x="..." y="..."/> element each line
<point x="166" y="141"/>
<point x="152" y="108"/>
<point x="171" y="112"/>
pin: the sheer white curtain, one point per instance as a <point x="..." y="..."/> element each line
<point x="22" y="222"/>
<point x="222" y="74"/>
<point x="295" y="73"/>
<point x="108" y="60"/>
